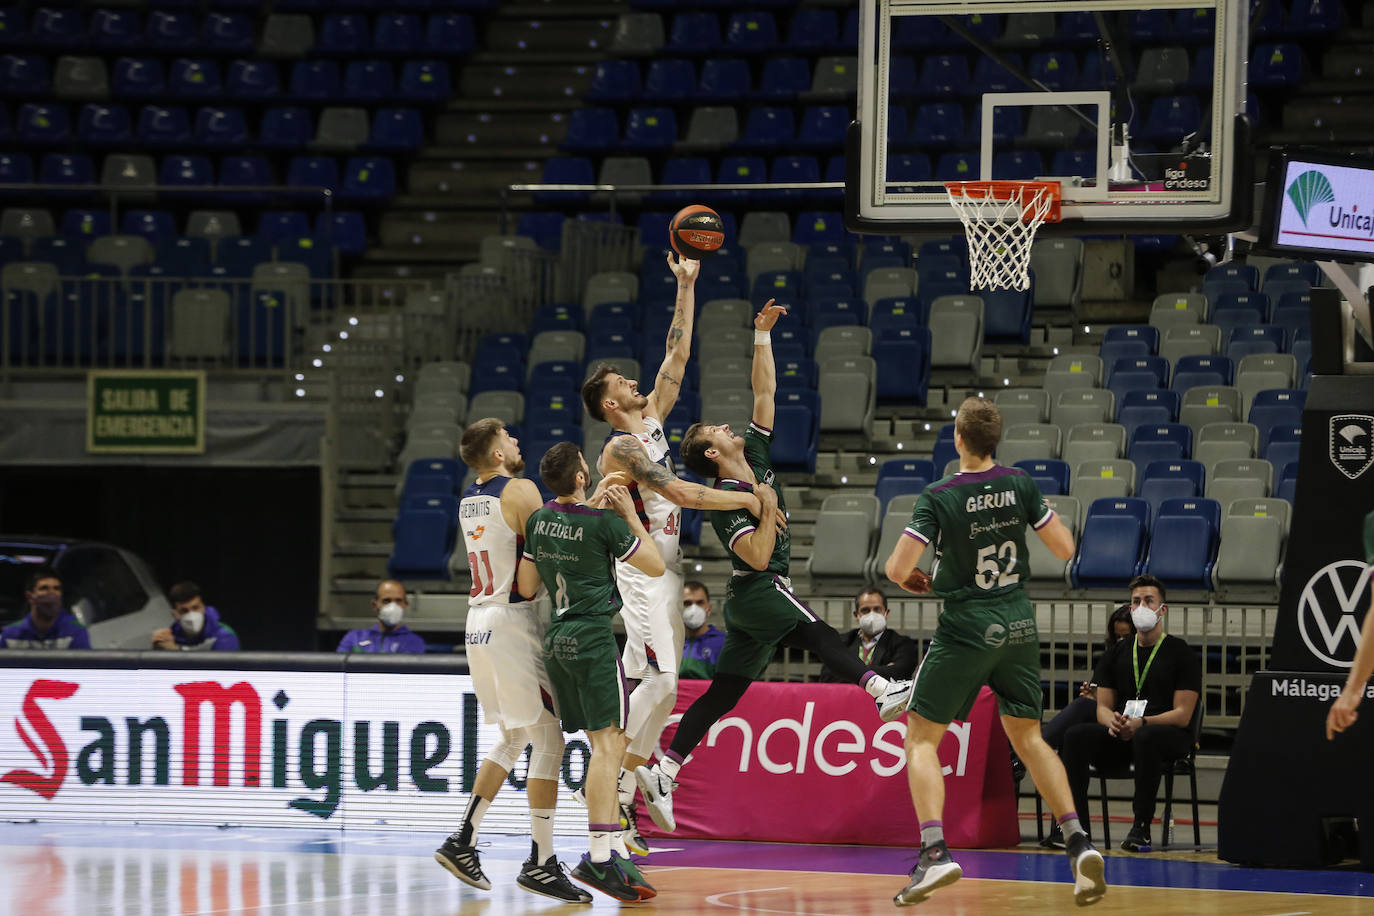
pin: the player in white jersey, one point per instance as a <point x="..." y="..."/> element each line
<point x="505" y="650"/>
<point x="638" y="448"/>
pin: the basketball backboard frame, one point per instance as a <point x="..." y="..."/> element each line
<point x="874" y="204"/>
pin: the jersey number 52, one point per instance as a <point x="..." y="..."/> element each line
<point x="991" y="574"/>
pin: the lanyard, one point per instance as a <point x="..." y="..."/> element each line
<point x="866" y="654"/>
<point x="1135" y="664"/>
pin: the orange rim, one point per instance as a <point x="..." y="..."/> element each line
<point x="1010" y="190"/>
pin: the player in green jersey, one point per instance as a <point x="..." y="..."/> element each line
<point x="571" y="547"/>
<point x="977" y="519"/>
<point x="1343" y="713"/>
<point x="761" y="610"/>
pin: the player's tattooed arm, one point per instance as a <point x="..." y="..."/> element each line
<point x="626" y="453"/>
<point x="678" y="343"/>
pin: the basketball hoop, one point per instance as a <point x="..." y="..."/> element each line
<point x="1000" y="219"/>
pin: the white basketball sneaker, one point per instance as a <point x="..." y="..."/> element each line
<point x="658" y="796"/>
<point x="893" y="703"/>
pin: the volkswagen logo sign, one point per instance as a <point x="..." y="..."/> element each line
<point x="1327" y="608"/>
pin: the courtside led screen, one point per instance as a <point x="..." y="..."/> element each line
<point x="1320" y="205"/>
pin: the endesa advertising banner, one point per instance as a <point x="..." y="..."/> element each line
<point x="813" y="763"/>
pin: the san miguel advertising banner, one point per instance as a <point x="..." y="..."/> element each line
<point x="389" y="750"/>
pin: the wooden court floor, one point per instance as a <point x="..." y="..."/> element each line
<point x="56" y="870"/>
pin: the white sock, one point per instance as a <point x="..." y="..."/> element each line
<point x="626" y="793"/>
<point x="618" y="844"/>
<point x="472" y="819"/>
<point x="669" y="767"/>
<point x="600" y="845"/>
<point x="877" y="685"/>
<point x="541" y="830"/>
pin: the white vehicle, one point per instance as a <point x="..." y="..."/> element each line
<point x="110" y="589"/>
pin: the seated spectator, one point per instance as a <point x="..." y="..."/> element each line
<point x="701" y="648"/>
<point x="197" y="628"/>
<point x="388" y="634"/>
<point x="48" y="625"/>
<point x="1082" y="709"/>
<point x="1147" y="688"/>
<point x="885" y="651"/>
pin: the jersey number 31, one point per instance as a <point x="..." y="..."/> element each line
<point x="991" y="574"/>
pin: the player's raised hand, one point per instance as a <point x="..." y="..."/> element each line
<point x="685" y="269"/>
<point x="768" y="315"/>
<point x="1342" y="713"/>
<point x="614" y="478"/>
<point x="618" y="498"/>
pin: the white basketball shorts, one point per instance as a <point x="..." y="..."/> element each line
<point x="505" y="646"/>
<point x="653" y="620"/>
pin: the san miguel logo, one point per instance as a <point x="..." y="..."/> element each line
<point x="1352" y="451"/>
<point x="247" y="746"/>
<point x="1327" y="608"/>
<point x="1309" y="189"/>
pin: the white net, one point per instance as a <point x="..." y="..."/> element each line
<point x="1000" y="224"/>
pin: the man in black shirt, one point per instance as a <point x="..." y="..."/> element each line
<point x="885" y="651"/>
<point x="1147" y="689"/>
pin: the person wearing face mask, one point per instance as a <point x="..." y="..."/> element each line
<point x="1147" y="689"/>
<point x="197" y="627"/>
<point x="885" y="651"/>
<point x="388" y="634"/>
<point x="47" y="625"/>
<point x="704" y="641"/>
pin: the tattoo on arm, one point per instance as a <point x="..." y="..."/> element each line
<point x="665" y="377"/>
<point x="634" y="460"/>
<point x="674" y="337"/>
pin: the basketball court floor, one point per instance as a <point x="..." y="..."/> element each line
<point x="57" y="870"/>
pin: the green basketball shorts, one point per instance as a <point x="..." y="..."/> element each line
<point x="760" y="610"/>
<point x="584" y="669"/>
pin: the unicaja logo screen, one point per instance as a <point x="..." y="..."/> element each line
<point x="1309" y="189"/>
<point x="1327" y="208"/>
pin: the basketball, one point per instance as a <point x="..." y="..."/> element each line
<point x="696" y="232"/>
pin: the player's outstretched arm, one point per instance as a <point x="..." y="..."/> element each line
<point x="901" y="565"/>
<point x="1057" y="537"/>
<point x="1343" y="711"/>
<point x="764" y="377"/>
<point x="646" y="557"/>
<point x="626" y="454"/>
<point x="678" y="347"/>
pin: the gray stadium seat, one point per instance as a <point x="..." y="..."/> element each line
<point x="1053" y="126"/>
<point x="951" y="467"/>
<point x="848" y="389"/>
<point x="27" y="224"/>
<point x="1252" y="543"/>
<point x="418" y="446"/>
<point x="1261" y="371"/>
<point x="843" y="340"/>
<point x="956" y="328"/>
<point x="1161" y="70"/>
<point x="213" y="224"/>
<point x="432" y="416"/>
<point x="886" y="282"/>
<point x="1083" y="405"/>
<point x="895" y="519"/>
<point x="445" y="375"/>
<point x="1069" y="509"/>
<point x="129" y="171"/>
<point x="1218" y="441"/>
<point x="1094" y="442"/>
<point x="711" y="128"/>
<point x="1022" y="405"/>
<point x="80" y="78"/>
<point x="122" y="251"/>
<point x="200" y="324"/>
<point x="1044" y="566"/>
<point x="834" y="77"/>
<point x="1028" y="30"/>
<point x="37" y="277"/>
<point x="1029" y="440"/>
<point x="508" y="405"/>
<point x="843" y="537"/>
<point x="1098" y="479"/>
<point x="1072" y="370"/>
<point x="766" y="257"/>
<point x="443" y="400"/>
<point x="729" y="406"/>
<point x="555" y="346"/>
<point x="724" y="373"/>
<point x="287" y="277"/>
<point x="286" y="35"/>
<point x="1273" y="506"/>
<point x="496" y="250"/>
<point x="623" y="170"/>
<point x="1209" y="404"/>
<point x="733" y="343"/>
<point x="637" y="34"/>
<point x="724" y="313"/>
<point x="610" y="286"/>
<point x="1190" y="340"/>
<point x="764" y="226"/>
<point x="1058" y="263"/>
<point x="341" y="130"/>
<point x="1240" y="478"/>
<point x="1195" y="303"/>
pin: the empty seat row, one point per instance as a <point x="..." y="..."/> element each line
<point x="20" y="227"/>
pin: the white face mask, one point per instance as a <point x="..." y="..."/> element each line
<point x="192" y="622"/>
<point x="693" y="616"/>
<point x="390" y="614"/>
<point x="872" y="623"/>
<point x="1144" y="618"/>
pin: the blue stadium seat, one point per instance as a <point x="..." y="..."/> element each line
<point x="1050" y="474"/>
<point x="1257" y="338"/>
<point x="741" y="170"/>
<point x="823" y="127"/>
<point x="938" y="124"/>
<point x="797" y="372"/>
<point x="1317" y="17"/>
<point x="170" y="30"/>
<point x="613" y="316"/>
<point x="1275" y="65"/>
<point x="276" y="225"/>
<point x="591" y="130"/>
<point x="668" y="81"/>
<point x="1160" y="442"/>
<point x="397" y="33"/>
<point x="188" y="171"/>
<point x="450" y="34"/>
<point x="1007" y="313"/>
<point x="1194" y="370"/>
<point x="1143" y="333"/>
<point x="990" y="76"/>
<point x="84" y="223"/>
<point x="154" y="225"/>
<point x="1147" y="407"/>
<point x="1113" y="543"/>
<point x="615" y="81"/>
<point x="252" y="80"/>
<point x="557" y="316"/>
<point x="1302" y="271"/>
<point x="902" y="356"/>
<point x="64" y="169"/>
<point x="164" y="126"/>
<point x="286" y="127"/>
<point x="342" y="33"/>
<point x="423" y="541"/>
<point x="432" y="476"/>
<point x="425" y="81"/>
<point x="1293" y="322"/>
<point x="784" y="79"/>
<point x="138" y="77"/>
<point x="25" y="75"/>
<point x="228" y="32"/>
<point x="612" y="346"/>
<point x="367" y="179"/>
<point x="42" y="125"/>
<point x="1137" y="372"/>
<point x="814" y="30"/>
<point x="683" y="171"/>
<point x="898" y="312"/>
<point x="649" y="129"/>
<point x="103" y="125"/>
<point x="1148" y="27"/>
<point x="68" y="254"/>
<point x="1183" y="544"/>
<point x="693" y="33"/>
<point x="724" y="79"/>
<point x="246" y="172"/>
<point x="1163" y="480"/>
<point x="751" y="33"/>
<point x="112" y="29"/>
<point x="1246" y="274"/>
<point x="315" y="80"/>
<point x="957" y="167"/>
<point x="396" y="129"/>
<point x="814" y="227"/>
<point x="1276" y="408"/>
<point x="1017" y="165"/>
<point x="944" y="76"/>
<point x="910" y="34"/>
<point x="768" y="129"/>
<point x="796" y="426"/>
<point x="312" y="172"/>
<point x="369" y="81"/>
<point x="1058" y="70"/>
<point x="1109" y="351"/>
<point x="1285" y="446"/>
<point x="182" y="257"/>
<point x="1171" y="118"/>
<point x="1195" y="25"/>
<point x="221" y="128"/>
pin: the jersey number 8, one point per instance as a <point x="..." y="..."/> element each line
<point x="992" y="574"/>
